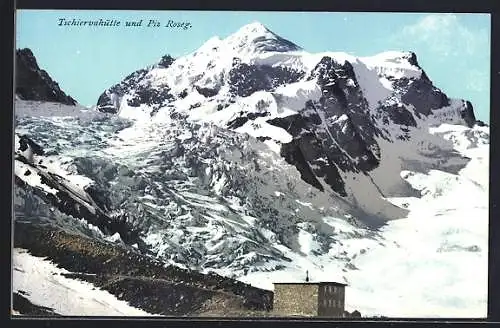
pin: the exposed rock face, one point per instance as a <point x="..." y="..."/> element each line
<point x="34" y="83"/>
<point x="326" y="133"/>
<point x="422" y="95"/>
<point x="166" y="61"/>
<point x="109" y="101"/>
<point x="22" y="305"/>
<point x="468" y="115"/>
<point x="141" y="92"/>
<point x="28" y="144"/>
<point x="398" y="114"/>
<point x="420" y="92"/>
<point x="246" y="79"/>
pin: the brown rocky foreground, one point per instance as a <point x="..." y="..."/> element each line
<point x="139" y="279"/>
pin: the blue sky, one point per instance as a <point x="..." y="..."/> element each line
<point x="454" y="49"/>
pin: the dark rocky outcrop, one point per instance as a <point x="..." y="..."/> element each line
<point x="412" y="59"/>
<point x="109" y="100"/>
<point x="166" y="61"/>
<point x="468" y="116"/>
<point x="34" y="83"/>
<point x="153" y="97"/>
<point x="327" y="138"/>
<point x="22" y="305"/>
<point x="343" y="96"/>
<point x="481" y="123"/>
<point x="25" y="143"/>
<point x="422" y="94"/>
<point x="245" y="117"/>
<point x="245" y="79"/>
<point x="400" y="115"/>
<point x="207" y="92"/>
<point x="142" y="93"/>
<point x="106" y="104"/>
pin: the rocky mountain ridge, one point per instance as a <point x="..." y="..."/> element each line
<point x="34" y="83"/>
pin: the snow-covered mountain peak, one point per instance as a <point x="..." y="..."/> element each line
<point x="395" y="64"/>
<point x="250" y="40"/>
<point x="256" y="38"/>
<point x="396" y="56"/>
<point x="254" y="27"/>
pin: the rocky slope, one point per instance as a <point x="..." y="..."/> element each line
<point x="34" y="83"/>
<point x="140" y="280"/>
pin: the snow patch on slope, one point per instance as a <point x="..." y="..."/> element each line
<point x="42" y="282"/>
<point x="393" y="64"/>
<point x="31" y="177"/>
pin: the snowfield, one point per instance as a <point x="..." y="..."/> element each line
<point x="42" y="283"/>
<point x="421" y="263"/>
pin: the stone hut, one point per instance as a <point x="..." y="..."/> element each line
<point x="323" y="299"/>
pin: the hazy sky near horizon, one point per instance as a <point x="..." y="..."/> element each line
<point x="453" y="49"/>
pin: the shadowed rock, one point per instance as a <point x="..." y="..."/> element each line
<point x="34" y="83"/>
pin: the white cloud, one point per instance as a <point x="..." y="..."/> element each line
<point x="444" y="34"/>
